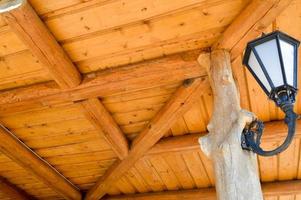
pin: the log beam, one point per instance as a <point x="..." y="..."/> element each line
<point x="236" y="172"/>
<point x="24" y="21"/>
<point x="273" y="132"/>
<point x="182" y="100"/>
<point x="15" y="149"/>
<point x="149" y="74"/>
<point x="269" y="190"/>
<point x="251" y="22"/>
<point x="103" y="121"/>
<point x="11" y="191"/>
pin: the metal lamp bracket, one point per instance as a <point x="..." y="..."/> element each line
<point x="251" y="136"/>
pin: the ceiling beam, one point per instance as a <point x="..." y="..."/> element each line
<point x="181" y="101"/>
<point x="274" y="131"/>
<point x="148" y="74"/>
<point x="98" y="115"/>
<point x="268" y="189"/>
<point x="15" y="149"/>
<point x="11" y="191"/>
<point x="24" y="21"/>
<point x="250" y="23"/>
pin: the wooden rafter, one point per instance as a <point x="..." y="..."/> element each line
<point x="148" y="74"/>
<point x="98" y="115"/>
<point x="269" y="189"/>
<point x="15" y="149"/>
<point x="251" y="22"/>
<point x="12" y="191"/>
<point x="24" y="21"/>
<point x="182" y="100"/>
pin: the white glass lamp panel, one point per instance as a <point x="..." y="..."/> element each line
<point x="255" y="67"/>
<point x="268" y="53"/>
<point x="288" y="51"/>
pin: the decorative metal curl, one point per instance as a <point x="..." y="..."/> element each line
<point x="251" y="136"/>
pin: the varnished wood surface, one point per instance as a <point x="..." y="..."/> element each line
<point x="280" y="190"/>
<point x="53" y="124"/>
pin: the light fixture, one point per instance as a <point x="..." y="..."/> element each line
<point x="272" y="60"/>
<point x="8" y="5"/>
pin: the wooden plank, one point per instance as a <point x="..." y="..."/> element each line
<point x="137" y="180"/>
<point x="21" y="69"/>
<point x="197" y="169"/>
<point x="288" y="162"/>
<point x="249" y="24"/>
<point x="269" y="189"/>
<point x="181" y="170"/>
<point x="182" y="100"/>
<point x="98" y="115"/>
<point x="149" y="174"/>
<point x="27" y="25"/>
<point x="12" y="191"/>
<point x="149" y="74"/>
<point x="268" y="166"/>
<point x="167" y="175"/>
<point x="87" y="21"/>
<point x="12" y="147"/>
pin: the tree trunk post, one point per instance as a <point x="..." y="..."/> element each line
<point x="236" y="170"/>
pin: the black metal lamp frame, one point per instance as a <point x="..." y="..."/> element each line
<point x="283" y="96"/>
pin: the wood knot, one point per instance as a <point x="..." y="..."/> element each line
<point x="188" y="82"/>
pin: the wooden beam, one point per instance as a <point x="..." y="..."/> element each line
<point x="274" y="131"/>
<point x="24" y="21"/>
<point x="251" y="22"/>
<point x="11" y="191"/>
<point x="182" y="100"/>
<point x="269" y="189"/>
<point x="15" y="149"/>
<point x="98" y="115"/>
<point x="140" y="76"/>
<point x="236" y="173"/>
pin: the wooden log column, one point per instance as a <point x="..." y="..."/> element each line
<point x="235" y="169"/>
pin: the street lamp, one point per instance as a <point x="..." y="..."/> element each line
<point x="272" y="60"/>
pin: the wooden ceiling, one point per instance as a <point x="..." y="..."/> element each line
<point x="88" y="91"/>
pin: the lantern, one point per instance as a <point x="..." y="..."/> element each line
<point x="272" y="60"/>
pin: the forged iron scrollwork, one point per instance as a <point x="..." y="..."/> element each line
<point x="252" y="134"/>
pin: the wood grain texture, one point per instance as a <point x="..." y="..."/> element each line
<point x="21" y="154"/>
<point x="236" y="171"/>
<point x="98" y="115"/>
<point x="135" y="77"/>
<point x="31" y="30"/>
<point x="251" y="22"/>
<point x="12" y="191"/>
<point x="183" y="99"/>
<point x="269" y="190"/>
<point x="274" y="132"/>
